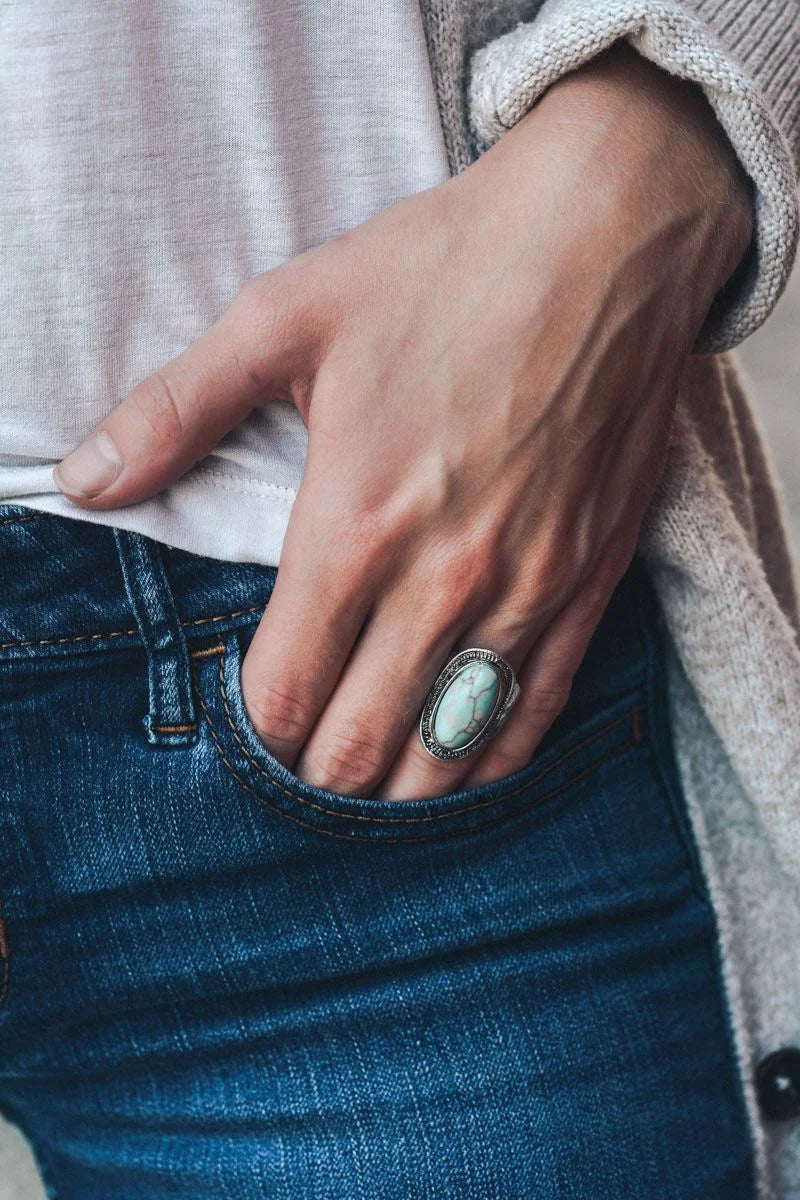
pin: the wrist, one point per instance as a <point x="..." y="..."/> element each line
<point x="666" y="123"/>
<point x="630" y="148"/>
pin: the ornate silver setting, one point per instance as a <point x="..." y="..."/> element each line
<point x="507" y="693"/>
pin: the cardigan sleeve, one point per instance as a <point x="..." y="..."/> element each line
<point x="745" y="54"/>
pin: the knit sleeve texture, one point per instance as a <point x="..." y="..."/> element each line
<point x="744" y="54"/>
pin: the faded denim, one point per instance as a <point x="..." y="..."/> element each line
<point x="226" y="984"/>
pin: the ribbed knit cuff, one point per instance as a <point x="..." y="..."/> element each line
<point x="509" y="75"/>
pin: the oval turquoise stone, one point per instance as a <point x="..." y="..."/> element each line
<point x="466" y="705"/>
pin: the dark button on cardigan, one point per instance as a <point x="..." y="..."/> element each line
<point x="778" y="1084"/>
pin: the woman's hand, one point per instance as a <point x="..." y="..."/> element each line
<point x="487" y="371"/>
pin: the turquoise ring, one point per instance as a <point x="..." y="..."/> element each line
<point x="469" y="701"/>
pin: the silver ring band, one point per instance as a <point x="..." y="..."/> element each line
<point x="470" y="698"/>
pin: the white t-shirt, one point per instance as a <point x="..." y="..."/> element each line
<point x="155" y="157"/>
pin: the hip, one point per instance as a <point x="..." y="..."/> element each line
<point x="223" y="980"/>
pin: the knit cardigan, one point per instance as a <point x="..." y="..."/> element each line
<point x="713" y="536"/>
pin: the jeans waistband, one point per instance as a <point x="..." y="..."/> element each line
<point x="63" y="589"/>
<point x="73" y="587"/>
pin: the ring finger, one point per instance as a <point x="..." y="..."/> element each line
<point x="374" y="711"/>
<point x="415" y="772"/>
<point x="545" y="657"/>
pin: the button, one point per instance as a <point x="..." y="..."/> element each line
<point x="778" y="1084"/>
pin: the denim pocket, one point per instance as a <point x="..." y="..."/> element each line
<point x="572" y="751"/>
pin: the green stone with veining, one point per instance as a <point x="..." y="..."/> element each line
<point x="466" y="705"/>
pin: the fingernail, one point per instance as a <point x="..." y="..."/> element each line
<point x="91" y="468"/>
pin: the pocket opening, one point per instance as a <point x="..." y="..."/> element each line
<point x="574" y="755"/>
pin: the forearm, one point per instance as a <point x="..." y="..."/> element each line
<point x="511" y="74"/>
<point x="650" y="163"/>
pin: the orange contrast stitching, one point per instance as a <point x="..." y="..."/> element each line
<point x="80" y="637"/>
<point x="408" y="820"/>
<point x="239" y="612"/>
<point x="173" y="728"/>
<point x="112" y="633"/>
<point x="21" y="520"/>
<point x="456" y="812"/>
<point x="209" y="652"/>
<point x="354" y="837"/>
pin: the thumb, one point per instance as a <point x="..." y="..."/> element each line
<point x="178" y="414"/>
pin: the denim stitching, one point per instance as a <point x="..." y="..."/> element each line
<point x="207" y="652"/>
<point x="239" y="612"/>
<point x="80" y="637"/>
<point x="409" y="820"/>
<point x="88" y="637"/>
<point x="432" y="837"/>
<point x="20" y="520"/>
<point x="397" y="820"/>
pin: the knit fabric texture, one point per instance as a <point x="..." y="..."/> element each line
<point x="510" y="74"/>
<point x="714" y="535"/>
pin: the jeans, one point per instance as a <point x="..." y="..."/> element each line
<point x="222" y="982"/>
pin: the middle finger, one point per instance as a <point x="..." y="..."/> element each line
<point x="369" y="724"/>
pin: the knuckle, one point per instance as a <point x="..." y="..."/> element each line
<point x="346" y="762"/>
<point x="515" y="618"/>
<point x="549" y="576"/>
<point x="480" y="561"/>
<point x="545" y="701"/>
<point x="371" y="538"/>
<point x="557" y="569"/>
<point x="157" y="402"/>
<point x="279" y="717"/>
<point x="262" y="316"/>
<point x="506" y="762"/>
<point x="266" y="306"/>
<point x="459" y="582"/>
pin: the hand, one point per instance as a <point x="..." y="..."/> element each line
<point x="487" y="372"/>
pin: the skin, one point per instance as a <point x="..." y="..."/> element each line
<point x="487" y="371"/>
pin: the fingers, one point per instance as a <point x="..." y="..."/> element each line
<point x="545" y="661"/>
<point x="377" y="700"/>
<point x="545" y="681"/>
<point x="321" y="597"/>
<point x="178" y="414"/>
<point x="416" y="773"/>
<point x="337" y="674"/>
<point x="366" y="742"/>
<point x="423" y="605"/>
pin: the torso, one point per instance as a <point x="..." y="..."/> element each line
<point x="157" y="158"/>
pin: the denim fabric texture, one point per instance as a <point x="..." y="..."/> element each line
<point x="220" y="982"/>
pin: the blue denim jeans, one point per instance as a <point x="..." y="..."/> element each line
<point x="222" y="982"/>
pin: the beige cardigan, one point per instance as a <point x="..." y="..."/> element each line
<point x="714" y="536"/>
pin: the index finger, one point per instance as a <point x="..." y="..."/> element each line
<point x="316" y="610"/>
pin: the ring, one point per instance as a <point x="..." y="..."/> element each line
<point x="470" y="699"/>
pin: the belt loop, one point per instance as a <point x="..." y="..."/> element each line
<point x="171" y="720"/>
